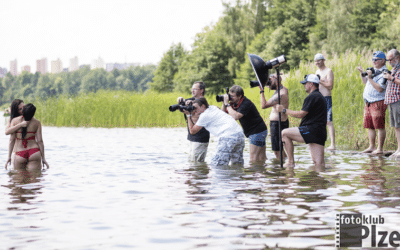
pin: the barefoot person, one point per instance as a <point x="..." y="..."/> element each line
<point x="375" y="108"/>
<point x="274" y="115"/>
<point x="312" y="129"/>
<point x="325" y="87"/>
<point x="220" y="124"/>
<point x="392" y="97"/>
<point x="244" y="110"/>
<point x="29" y="147"/>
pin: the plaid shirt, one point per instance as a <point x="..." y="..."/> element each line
<point x="393" y="89"/>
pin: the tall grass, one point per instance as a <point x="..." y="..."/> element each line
<point x="128" y="109"/>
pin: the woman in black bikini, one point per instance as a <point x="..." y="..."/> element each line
<point x="29" y="147"/>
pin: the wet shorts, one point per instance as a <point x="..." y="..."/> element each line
<point x="229" y="149"/>
<point x="328" y="100"/>
<point x="394" y="113"/>
<point x="313" y="134"/>
<point x="258" y="139"/>
<point x="374" y="115"/>
<point x="274" y="129"/>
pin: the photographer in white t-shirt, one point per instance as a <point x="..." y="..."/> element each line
<point x="220" y="124"/>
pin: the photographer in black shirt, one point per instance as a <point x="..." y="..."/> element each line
<point x="312" y="129"/>
<point x="244" y="110"/>
<point x="199" y="141"/>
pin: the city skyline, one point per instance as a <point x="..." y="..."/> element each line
<point x="122" y="32"/>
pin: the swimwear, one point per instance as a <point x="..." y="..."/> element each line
<point x="25" y="141"/>
<point x="27" y="153"/>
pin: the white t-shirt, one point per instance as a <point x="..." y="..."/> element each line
<point x="219" y="123"/>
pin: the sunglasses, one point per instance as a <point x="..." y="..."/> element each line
<point x="374" y="60"/>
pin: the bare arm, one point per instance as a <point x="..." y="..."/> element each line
<point x="10" y="148"/>
<point x="193" y="129"/>
<point x="373" y="83"/>
<point x="363" y="78"/>
<point x="39" y="140"/>
<point x="271" y="102"/>
<point x="14" y="128"/>
<point x="296" y="114"/>
<point x="236" y="115"/>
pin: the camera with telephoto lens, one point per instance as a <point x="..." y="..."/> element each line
<point x="364" y="74"/>
<point x="254" y="84"/>
<point x="220" y="98"/>
<point x="181" y="106"/>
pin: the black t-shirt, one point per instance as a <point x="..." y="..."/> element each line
<point x="252" y="123"/>
<point x="202" y="136"/>
<point x="315" y="105"/>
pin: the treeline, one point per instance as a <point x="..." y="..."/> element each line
<point x="38" y="86"/>
<point x="297" y="28"/>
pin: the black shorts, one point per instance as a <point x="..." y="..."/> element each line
<point x="274" y="130"/>
<point x="314" y="134"/>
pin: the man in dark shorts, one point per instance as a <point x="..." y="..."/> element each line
<point x="312" y="129"/>
<point x="374" y="98"/>
<point x="274" y="115"/>
<point x="244" y="110"/>
<point x="199" y="141"/>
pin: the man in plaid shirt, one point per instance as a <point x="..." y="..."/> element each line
<point x="392" y="97"/>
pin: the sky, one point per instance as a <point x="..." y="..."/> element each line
<point x="132" y="31"/>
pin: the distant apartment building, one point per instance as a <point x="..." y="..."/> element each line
<point x="13" y="68"/>
<point x="3" y="72"/>
<point x="41" y="66"/>
<point x="26" y="68"/>
<point x="56" y="66"/>
<point x="120" y="66"/>
<point x="73" y="64"/>
<point x="97" y="64"/>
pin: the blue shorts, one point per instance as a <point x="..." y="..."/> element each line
<point x="328" y="100"/>
<point x="258" y="139"/>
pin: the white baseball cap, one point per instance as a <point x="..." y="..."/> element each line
<point x="310" y="78"/>
<point x="319" y="56"/>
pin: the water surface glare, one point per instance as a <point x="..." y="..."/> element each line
<point x="128" y="188"/>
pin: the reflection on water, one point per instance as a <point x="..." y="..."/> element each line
<point x="133" y="188"/>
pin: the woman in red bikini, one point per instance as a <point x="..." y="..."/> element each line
<point x="29" y="147"/>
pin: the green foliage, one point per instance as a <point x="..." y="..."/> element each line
<point x="208" y="62"/>
<point x="167" y="68"/>
<point x="38" y="86"/>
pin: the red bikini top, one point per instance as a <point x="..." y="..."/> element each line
<point x="25" y="141"/>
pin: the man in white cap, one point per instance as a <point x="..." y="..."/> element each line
<point x="325" y="87"/>
<point x="312" y="129"/>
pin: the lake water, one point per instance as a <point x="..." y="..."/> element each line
<point x="126" y="188"/>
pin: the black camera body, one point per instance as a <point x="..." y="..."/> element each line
<point x="181" y="106"/>
<point x="364" y="74"/>
<point x="376" y="73"/>
<point x="220" y="98"/>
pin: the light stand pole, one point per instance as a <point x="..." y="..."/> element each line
<point x="279" y="120"/>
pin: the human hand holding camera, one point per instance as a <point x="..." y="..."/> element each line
<point x="180" y="99"/>
<point x="226" y="99"/>
<point x="388" y="76"/>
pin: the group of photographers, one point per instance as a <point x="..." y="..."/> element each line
<point x="382" y="88"/>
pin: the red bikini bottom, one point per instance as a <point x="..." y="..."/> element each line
<point x="27" y="153"/>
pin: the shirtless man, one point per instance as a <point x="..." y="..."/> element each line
<point x="274" y="115"/>
<point x="325" y="87"/>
